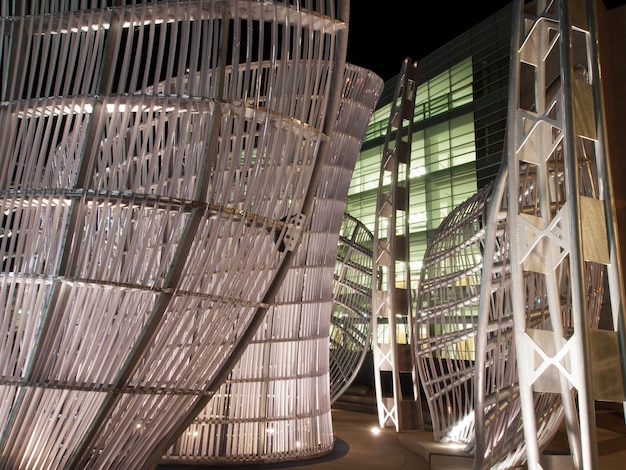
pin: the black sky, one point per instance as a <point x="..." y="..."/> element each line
<point x="384" y="32"/>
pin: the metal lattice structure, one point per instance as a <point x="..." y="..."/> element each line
<point x="514" y="354"/>
<point x="158" y="163"/>
<point x="391" y="289"/>
<point x="275" y="404"/>
<point x="562" y="228"/>
<point x="351" y="322"/>
<point x="446" y="318"/>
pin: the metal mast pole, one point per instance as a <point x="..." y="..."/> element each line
<point x="555" y="126"/>
<point x="391" y="290"/>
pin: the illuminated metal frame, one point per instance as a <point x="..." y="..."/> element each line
<point x="543" y="240"/>
<point x="159" y="163"/>
<point x="351" y="322"/>
<point x="446" y="319"/>
<point x="560" y="136"/>
<point x="391" y="262"/>
<point x="275" y="404"/>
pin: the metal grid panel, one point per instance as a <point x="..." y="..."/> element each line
<point x="156" y="157"/>
<point x="275" y="404"/>
<point x="447" y="316"/>
<point x="351" y="323"/>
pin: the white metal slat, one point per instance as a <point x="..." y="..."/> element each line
<point x="30" y="415"/>
<point x="8" y="323"/>
<point x="70" y="60"/>
<point x="130" y="309"/>
<point x="24" y="40"/>
<point x="97" y="242"/>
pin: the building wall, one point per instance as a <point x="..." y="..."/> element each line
<point x="459" y="126"/>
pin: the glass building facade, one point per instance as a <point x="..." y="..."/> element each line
<point x="458" y="138"/>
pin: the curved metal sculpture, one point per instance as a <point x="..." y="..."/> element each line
<point x="463" y="265"/>
<point x="501" y="355"/>
<point x="275" y="404"/>
<point x="447" y="318"/>
<point x="351" y="321"/>
<point x="157" y="161"/>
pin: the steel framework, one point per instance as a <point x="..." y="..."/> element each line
<point x="351" y="322"/>
<point x="275" y="404"/>
<point x="515" y="354"/>
<point x="563" y="228"/>
<point x="392" y="301"/>
<point x="446" y="319"/>
<point x="159" y="162"/>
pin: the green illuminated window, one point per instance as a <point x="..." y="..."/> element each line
<point x="442" y="167"/>
<point x="446" y="91"/>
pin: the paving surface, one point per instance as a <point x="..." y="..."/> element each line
<point x="357" y="447"/>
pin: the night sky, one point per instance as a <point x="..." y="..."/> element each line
<point x="384" y="32"/>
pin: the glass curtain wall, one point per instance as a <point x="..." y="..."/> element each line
<point x="443" y="171"/>
<point x="460" y="117"/>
